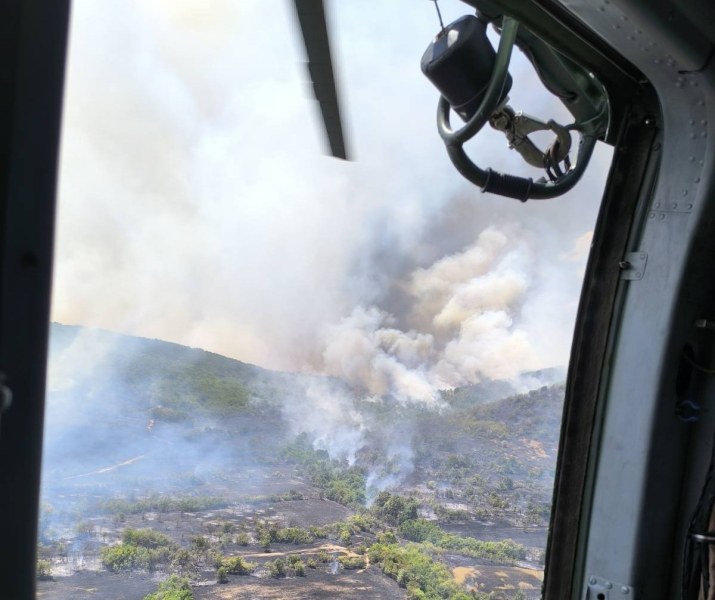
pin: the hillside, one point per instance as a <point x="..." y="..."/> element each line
<point x="144" y="427"/>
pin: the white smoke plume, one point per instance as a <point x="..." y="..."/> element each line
<point x="329" y="417"/>
<point x="195" y="207"/>
<point x="471" y="323"/>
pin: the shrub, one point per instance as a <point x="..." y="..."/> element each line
<point x="387" y="537"/>
<point x="120" y="558"/>
<point x="292" y="535"/>
<point x="277" y="568"/>
<point x="265" y="540"/>
<point x="339" y="481"/>
<point x="146" y="538"/>
<point x="352" y="562"/>
<point x="227" y="527"/>
<point x="182" y="560"/>
<point x="85" y="529"/>
<point x="140" y="549"/>
<point x="44" y="570"/>
<point x="421" y="530"/>
<point x="160" y="504"/>
<point x="222" y="575"/>
<point x="200" y="544"/>
<point x="174" y="588"/>
<point x="237" y="565"/>
<point x="415" y="570"/>
<point x="243" y="539"/>
<point x="395" y="509"/>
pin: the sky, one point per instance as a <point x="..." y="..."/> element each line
<point x="196" y="203"/>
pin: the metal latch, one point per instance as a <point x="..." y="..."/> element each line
<point x="633" y="265"/>
<point x="605" y="589"/>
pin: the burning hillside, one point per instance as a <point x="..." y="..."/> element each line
<point x="229" y="461"/>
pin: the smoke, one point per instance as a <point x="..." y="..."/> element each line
<point x="327" y="413"/>
<point x="470" y="317"/>
<point x="384" y="360"/>
<point x="195" y="207"/>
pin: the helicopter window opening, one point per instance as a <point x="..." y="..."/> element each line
<point x="684" y="374"/>
<point x="268" y="362"/>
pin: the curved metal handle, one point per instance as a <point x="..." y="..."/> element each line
<point x="520" y="188"/>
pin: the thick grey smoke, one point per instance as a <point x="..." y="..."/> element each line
<point x="195" y="207"/>
<point x="470" y="318"/>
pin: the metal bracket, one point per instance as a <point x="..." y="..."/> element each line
<point x="633" y="266"/>
<point x="605" y="589"/>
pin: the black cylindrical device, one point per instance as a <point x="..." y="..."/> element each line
<point x="459" y="62"/>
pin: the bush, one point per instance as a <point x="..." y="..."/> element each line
<point x="352" y="562"/>
<point x="120" y="558"/>
<point x="227" y="527"/>
<point x="421" y="530"/>
<point x="161" y="504"/>
<point x="200" y="544"/>
<point x="44" y="570"/>
<point x="237" y="565"/>
<point x="394" y="509"/>
<point x="222" y="575"/>
<point x="277" y="568"/>
<point x="243" y="539"/>
<point x="415" y="570"/>
<point x="174" y="588"/>
<point x="387" y="537"/>
<point x="292" y="535"/>
<point x="182" y="560"/>
<point x="146" y="538"/>
<point x="140" y="549"/>
<point x="265" y="540"/>
<point x="340" y="482"/>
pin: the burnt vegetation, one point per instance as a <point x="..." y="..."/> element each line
<point x="188" y="466"/>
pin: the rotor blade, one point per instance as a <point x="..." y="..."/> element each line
<point x="311" y="15"/>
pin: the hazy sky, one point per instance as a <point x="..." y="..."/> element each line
<point x="196" y="205"/>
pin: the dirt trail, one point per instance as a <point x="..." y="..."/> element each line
<point x="313" y="550"/>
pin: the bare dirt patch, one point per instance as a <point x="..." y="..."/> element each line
<point x="369" y="584"/>
<point x="97" y="585"/>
